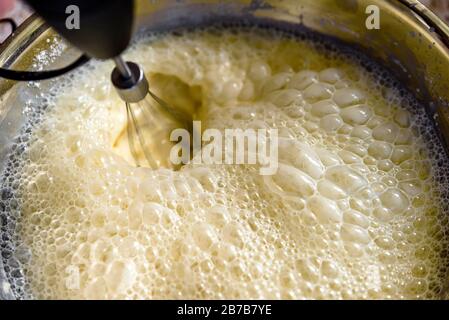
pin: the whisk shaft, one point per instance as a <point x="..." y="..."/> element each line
<point x="122" y="67"/>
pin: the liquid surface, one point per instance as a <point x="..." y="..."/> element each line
<point x="354" y="210"/>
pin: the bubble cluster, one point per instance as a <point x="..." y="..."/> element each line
<point x="355" y="210"/>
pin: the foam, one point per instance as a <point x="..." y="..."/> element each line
<point x="354" y="211"/>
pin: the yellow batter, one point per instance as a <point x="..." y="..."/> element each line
<point x="352" y="211"/>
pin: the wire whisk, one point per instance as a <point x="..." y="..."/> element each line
<point x="150" y="119"/>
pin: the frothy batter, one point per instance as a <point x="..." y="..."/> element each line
<point x="354" y="210"/>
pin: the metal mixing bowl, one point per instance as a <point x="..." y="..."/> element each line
<point x="411" y="42"/>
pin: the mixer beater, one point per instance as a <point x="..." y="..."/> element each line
<point x="150" y="119"/>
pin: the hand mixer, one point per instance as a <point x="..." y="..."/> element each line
<point x="105" y="30"/>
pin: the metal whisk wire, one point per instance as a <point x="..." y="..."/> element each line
<point x="146" y="128"/>
<point x="132" y="132"/>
